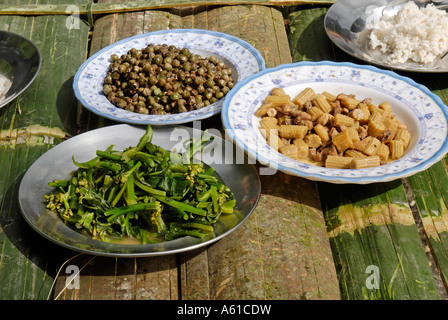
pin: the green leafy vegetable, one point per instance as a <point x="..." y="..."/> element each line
<point x="143" y="192"/>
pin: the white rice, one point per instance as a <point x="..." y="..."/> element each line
<point x="412" y="35"/>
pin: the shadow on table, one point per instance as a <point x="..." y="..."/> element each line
<point x="67" y="107"/>
<point x="334" y="195"/>
<point x="24" y="243"/>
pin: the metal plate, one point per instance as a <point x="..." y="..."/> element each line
<point x="347" y="26"/>
<point x="239" y="175"/>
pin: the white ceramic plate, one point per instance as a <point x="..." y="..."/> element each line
<point x="240" y="56"/>
<point x="423" y="112"/>
<point x="347" y="25"/>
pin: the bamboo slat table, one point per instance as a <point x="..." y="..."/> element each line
<point x="305" y="240"/>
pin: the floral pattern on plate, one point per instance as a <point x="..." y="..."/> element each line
<point x="244" y="59"/>
<point x="424" y="114"/>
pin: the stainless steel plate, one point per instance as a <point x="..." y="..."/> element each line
<point x="346" y="24"/>
<point x="231" y="165"/>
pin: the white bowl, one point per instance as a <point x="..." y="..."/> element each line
<point x="424" y="114"/>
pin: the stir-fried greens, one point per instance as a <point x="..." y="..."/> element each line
<point x="142" y="192"/>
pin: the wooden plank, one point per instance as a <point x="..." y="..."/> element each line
<point x="135" y="6"/>
<point x="118" y="279"/>
<point x="429" y="193"/>
<point x="305" y="27"/>
<point x="419" y="276"/>
<point x="428" y="190"/>
<point x="271" y="256"/>
<point x="377" y="232"/>
<point x="128" y="279"/>
<point x="237" y="262"/>
<point x="369" y="226"/>
<point x="27" y="260"/>
<point x="230" y="268"/>
<point x="157" y="278"/>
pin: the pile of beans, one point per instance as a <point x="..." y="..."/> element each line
<point x="163" y="79"/>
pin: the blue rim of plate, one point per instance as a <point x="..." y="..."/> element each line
<point x="437" y="156"/>
<point x="199" y="114"/>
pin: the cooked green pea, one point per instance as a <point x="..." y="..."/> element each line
<point x="157" y="92"/>
<point x="121" y="103"/>
<point x="187" y="66"/>
<point x="158" y="59"/>
<point x="185" y="51"/>
<point x="175" y="96"/>
<point x="209" y="83"/>
<point x="166" y="79"/>
<point x="208" y="95"/>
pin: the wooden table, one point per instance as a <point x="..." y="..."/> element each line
<point x="305" y="240"/>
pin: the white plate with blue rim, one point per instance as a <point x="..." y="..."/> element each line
<point x="423" y="112"/>
<point x="241" y="57"/>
